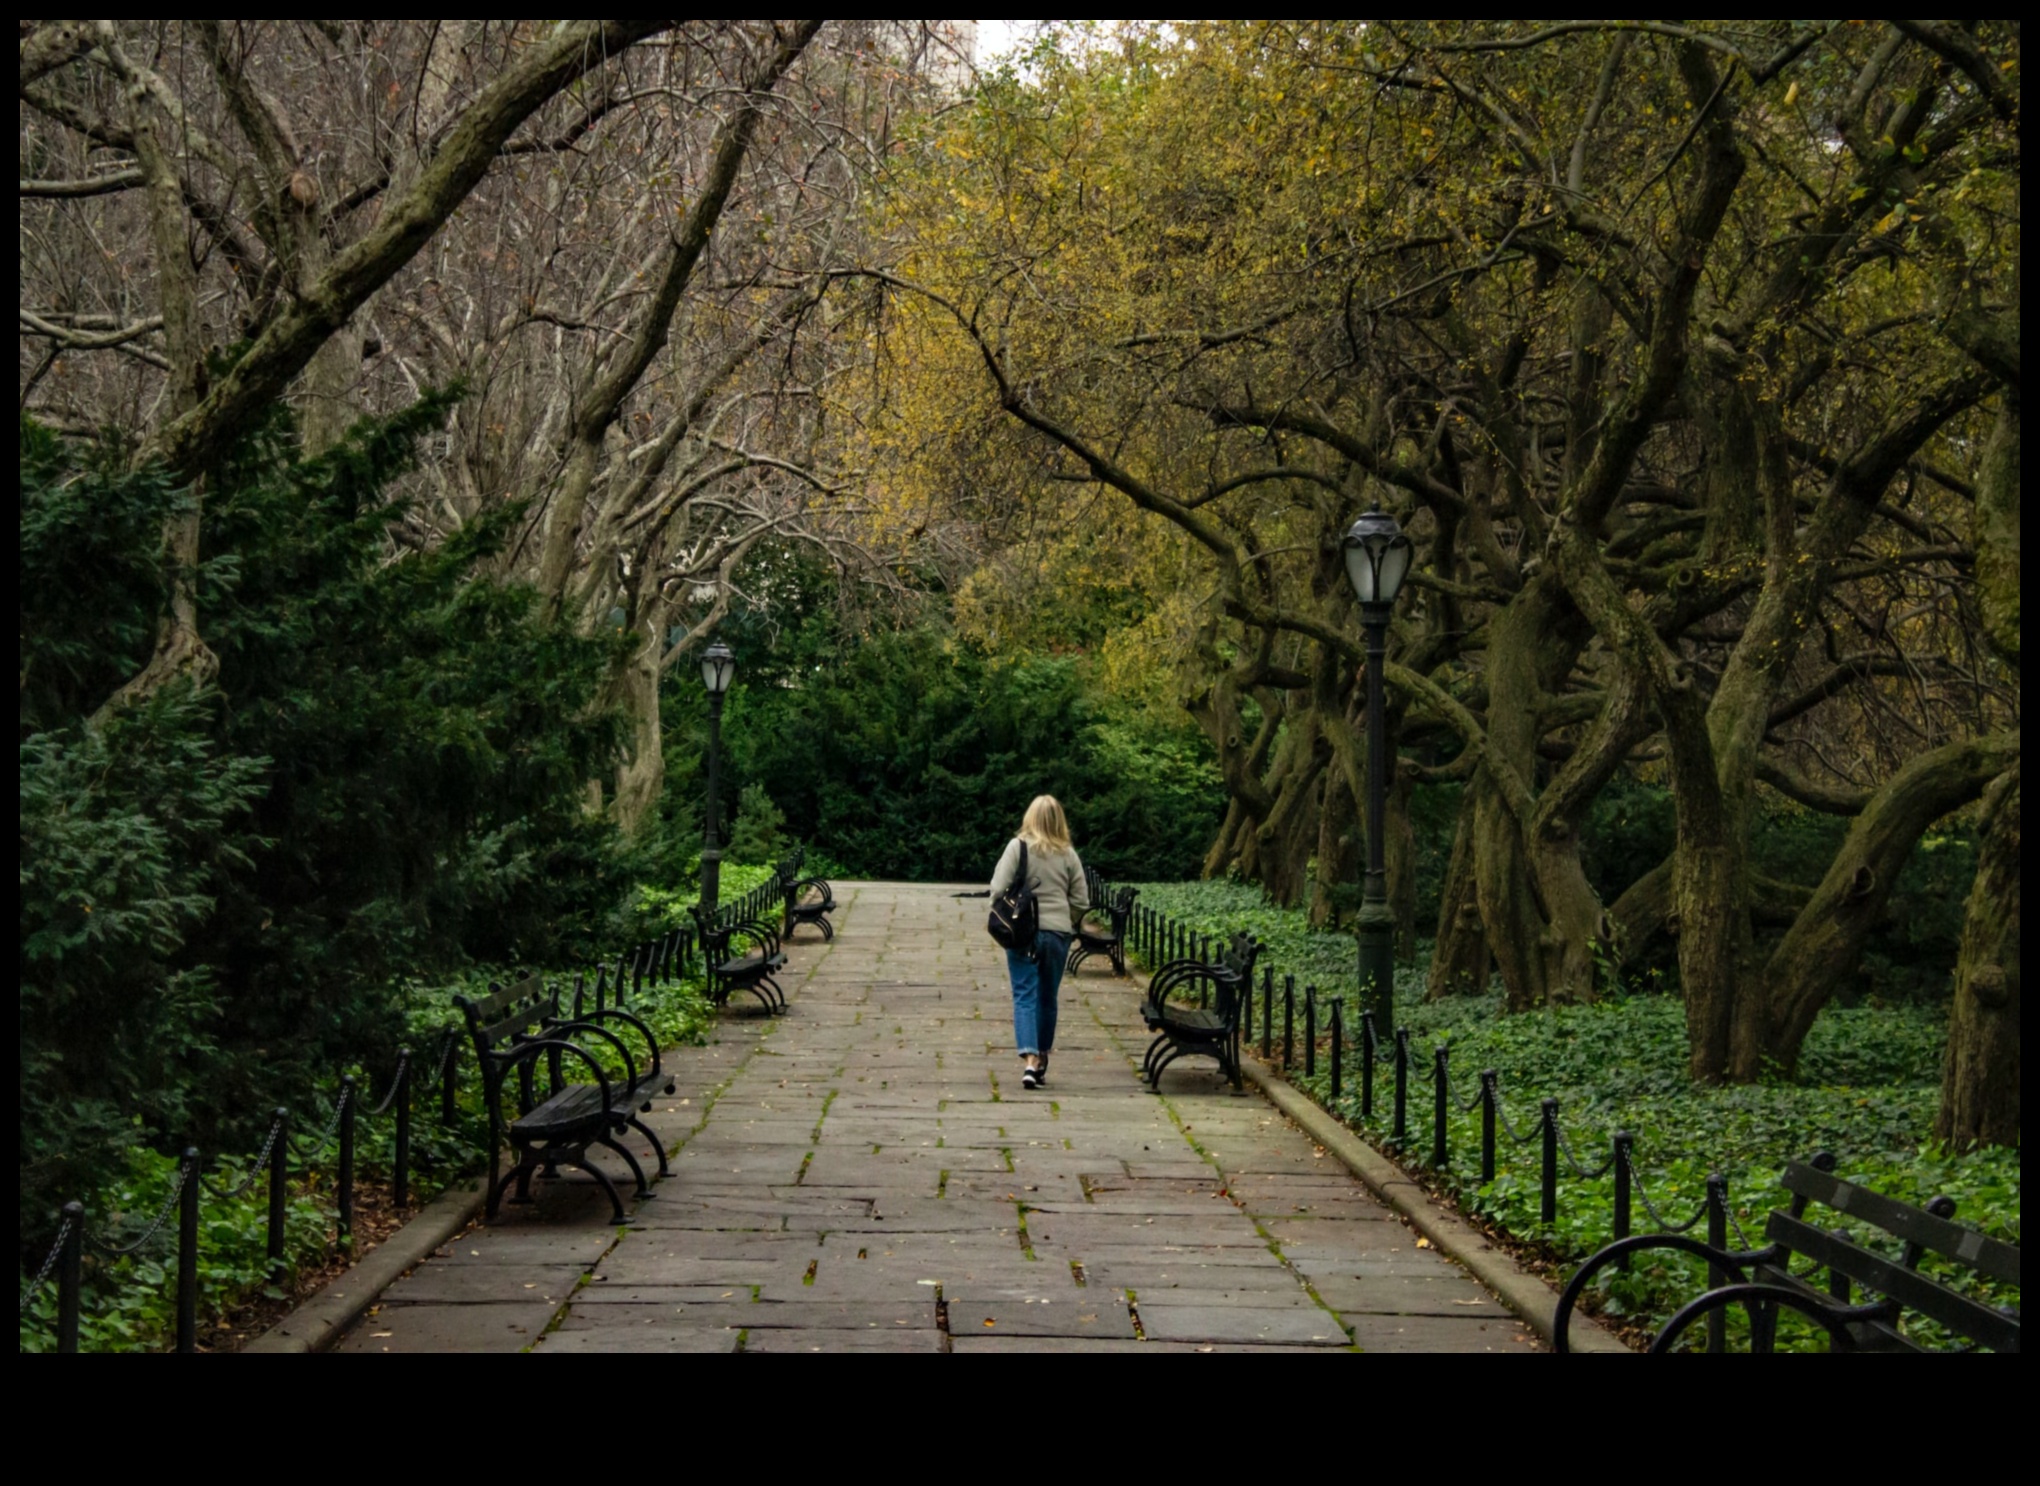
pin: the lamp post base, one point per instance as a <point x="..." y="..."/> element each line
<point x="711" y="879"/>
<point x="1377" y="964"/>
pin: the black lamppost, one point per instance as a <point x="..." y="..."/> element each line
<point x="718" y="666"/>
<point x="1377" y="558"/>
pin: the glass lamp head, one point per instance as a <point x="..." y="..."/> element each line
<point x="718" y="666"/>
<point x="1377" y="557"/>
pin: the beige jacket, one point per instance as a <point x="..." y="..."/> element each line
<point x="1059" y="886"/>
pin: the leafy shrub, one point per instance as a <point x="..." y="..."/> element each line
<point x="905" y="755"/>
<point x="219" y="890"/>
<point x="756" y="837"/>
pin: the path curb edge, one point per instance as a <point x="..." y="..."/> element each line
<point x="343" y="1300"/>
<point x="1525" y="1294"/>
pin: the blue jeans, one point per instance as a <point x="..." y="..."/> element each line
<point x="1035" y="983"/>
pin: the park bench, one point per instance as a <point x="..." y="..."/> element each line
<point x="520" y="1038"/>
<point x="1836" y="1263"/>
<point x="1102" y="931"/>
<point x="1193" y="1008"/>
<point x="741" y="954"/>
<point x="809" y="900"/>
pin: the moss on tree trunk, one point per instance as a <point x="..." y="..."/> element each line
<point x="1980" y="1079"/>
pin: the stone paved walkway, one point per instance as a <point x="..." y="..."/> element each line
<point x="867" y="1174"/>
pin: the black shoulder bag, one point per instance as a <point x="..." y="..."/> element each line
<point x="1016" y="915"/>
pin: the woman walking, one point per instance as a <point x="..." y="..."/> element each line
<point x="1057" y="877"/>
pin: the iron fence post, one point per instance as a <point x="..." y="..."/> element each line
<point x="1288" y="1022"/>
<point x="279" y="1191"/>
<point x="1624" y="1140"/>
<point x="1247" y="1009"/>
<point x="1717" y="1237"/>
<point x="1310" y="1031"/>
<point x="1267" y="1011"/>
<point x="1487" y="1125"/>
<point x="400" y="1175"/>
<point x="447" y="1075"/>
<point x="1547" y="1201"/>
<point x="345" y="1181"/>
<point x="187" y="1255"/>
<point x="1338" y="1048"/>
<point x="1368" y="1043"/>
<point x="1439" y="1152"/>
<point x="1401" y="1134"/>
<point x="70" y="1277"/>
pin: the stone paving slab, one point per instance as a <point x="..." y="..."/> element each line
<point x="1439" y="1334"/>
<point x="506" y="1326"/>
<point x="472" y="1283"/>
<point x="819" y="1340"/>
<point x="1426" y="1295"/>
<point x="1104" y="1314"/>
<point x="866" y="1173"/>
<point x="1311" y="1326"/>
<point x="646" y="1337"/>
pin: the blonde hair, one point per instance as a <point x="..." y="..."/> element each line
<point x="1045" y="827"/>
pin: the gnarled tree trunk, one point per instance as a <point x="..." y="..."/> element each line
<point x="642" y="774"/>
<point x="1827" y="937"/>
<point x="1543" y="918"/>
<point x="1980" y="1080"/>
<point x="1460" y="962"/>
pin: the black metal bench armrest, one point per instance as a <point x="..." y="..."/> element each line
<point x="820" y="882"/>
<point x="1186" y="975"/>
<point x="590" y="1025"/>
<point x="587" y="1027"/>
<point x="617" y="1013"/>
<point x="1735" y="1261"/>
<point x="1175" y="970"/>
<point x="759" y="934"/>
<point x="1835" y="1319"/>
<point x="547" y="1045"/>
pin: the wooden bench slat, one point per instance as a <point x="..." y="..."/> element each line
<point x="1988" y="1256"/>
<point x="1911" y="1289"/>
<point x="523" y="1001"/>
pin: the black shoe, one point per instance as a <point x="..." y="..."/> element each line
<point x="1041" y="1073"/>
<point x="1030" y="1078"/>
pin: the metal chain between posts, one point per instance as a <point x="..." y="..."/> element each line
<point x="255" y="1171"/>
<point x="1665" y="1225"/>
<point x="35" y="1285"/>
<point x="304" y="1152"/>
<point x="1508" y="1126"/>
<point x="1728" y="1211"/>
<point x="1574" y="1161"/>
<point x="396" y="1084"/>
<point x="1470" y="1105"/>
<point x="156" y="1224"/>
